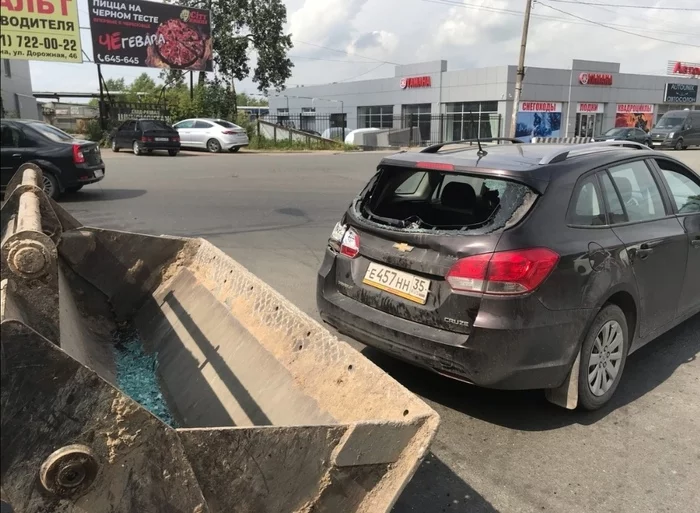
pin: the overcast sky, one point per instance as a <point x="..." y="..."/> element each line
<point x="345" y="40"/>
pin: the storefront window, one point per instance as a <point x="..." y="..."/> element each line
<point x="471" y="120"/>
<point x="308" y="119"/>
<point x="418" y="115"/>
<point x="381" y="116"/>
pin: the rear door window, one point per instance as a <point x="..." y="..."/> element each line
<point x="684" y="187"/>
<point x="586" y="206"/>
<point x="416" y="199"/>
<point x="638" y="191"/>
<point x="202" y="124"/>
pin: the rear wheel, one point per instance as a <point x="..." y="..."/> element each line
<point x="137" y="148"/>
<point x="235" y="149"/>
<point x="679" y="145"/>
<point x="213" y="146"/>
<point x="603" y="357"/>
<point x="172" y="153"/>
<point x="51" y="187"/>
<point x="72" y="190"/>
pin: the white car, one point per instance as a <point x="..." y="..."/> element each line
<point x="213" y="135"/>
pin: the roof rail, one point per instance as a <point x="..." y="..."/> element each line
<point x="437" y="147"/>
<point x="562" y="154"/>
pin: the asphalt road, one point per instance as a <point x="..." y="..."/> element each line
<point x="496" y="451"/>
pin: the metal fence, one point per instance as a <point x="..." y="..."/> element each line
<point x="431" y="128"/>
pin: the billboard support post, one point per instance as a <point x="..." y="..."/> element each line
<point x="102" y="98"/>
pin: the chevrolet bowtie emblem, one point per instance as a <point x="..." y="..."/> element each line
<point x="403" y="247"/>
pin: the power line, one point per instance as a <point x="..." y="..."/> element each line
<point x="346" y="53"/>
<point x="363" y="74"/>
<point x="618" y="29"/>
<point x="548" y="18"/>
<point x="627" y="6"/>
<point x="327" y="60"/>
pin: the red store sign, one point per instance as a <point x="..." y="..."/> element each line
<point x="589" y="108"/>
<point x="682" y="68"/>
<point x="413" y="82"/>
<point x="635" y="108"/>
<point x="540" y="107"/>
<point x="605" y="79"/>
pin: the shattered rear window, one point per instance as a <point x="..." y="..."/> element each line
<point x="419" y="200"/>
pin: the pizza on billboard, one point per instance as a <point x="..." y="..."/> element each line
<point x="151" y="34"/>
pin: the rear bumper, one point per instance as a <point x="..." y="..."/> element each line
<point x="160" y="145"/>
<point x="505" y="350"/>
<point x="235" y="143"/>
<point x="83" y="174"/>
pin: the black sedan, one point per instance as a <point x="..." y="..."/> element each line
<point x="626" y="134"/>
<point x="67" y="163"/>
<point x="146" y="135"/>
<point x="518" y="266"/>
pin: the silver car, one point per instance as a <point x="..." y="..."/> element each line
<point x="214" y="135"/>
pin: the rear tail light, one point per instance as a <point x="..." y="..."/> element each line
<point x="145" y="138"/>
<point x="503" y="273"/>
<point x="337" y="237"/>
<point x="78" y="156"/>
<point x="350" y="246"/>
<point x="176" y="139"/>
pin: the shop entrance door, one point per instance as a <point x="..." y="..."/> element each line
<point x="588" y="125"/>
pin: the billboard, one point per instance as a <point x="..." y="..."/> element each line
<point x="538" y="119"/>
<point x="40" y="30"/>
<point x="635" y="115"/>
<point x="150" y="34"/>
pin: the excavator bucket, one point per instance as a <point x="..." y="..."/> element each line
<point x="156" y="374"/>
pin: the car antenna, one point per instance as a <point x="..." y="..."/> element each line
<point x="481" y="152"/>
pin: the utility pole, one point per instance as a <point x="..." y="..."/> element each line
<point x="521" y="69"/>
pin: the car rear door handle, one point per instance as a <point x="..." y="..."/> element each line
<point x="16" y="155"/>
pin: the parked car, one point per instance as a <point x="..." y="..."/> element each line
<point x="677" y="129"/>
<point x="625" y="134"/>
<point x="505" y="268"/>
<point x="67" y="163"/>
<point x="214" y="135"/>
<point x="146" y="136"/>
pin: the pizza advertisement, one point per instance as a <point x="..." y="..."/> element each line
<point x="150" y="34"/>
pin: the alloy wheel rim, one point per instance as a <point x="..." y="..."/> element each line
<point x="48" y="186"/>
<point x="606" y="358"/>
<point x="213" y="146"/>
<point x="114" y="145"/>
<point x="136" y="148"/>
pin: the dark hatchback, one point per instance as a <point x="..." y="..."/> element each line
<point x="522" y="266"/>
<point x="626" y="134"/>
<point x="145" y="136"/>
<point x="67" y="163"/>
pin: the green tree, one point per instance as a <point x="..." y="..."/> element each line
<point x="144" y="88"/>
<point x="115" y="84"/>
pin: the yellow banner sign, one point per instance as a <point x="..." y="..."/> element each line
<point x="40" y="30"/>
